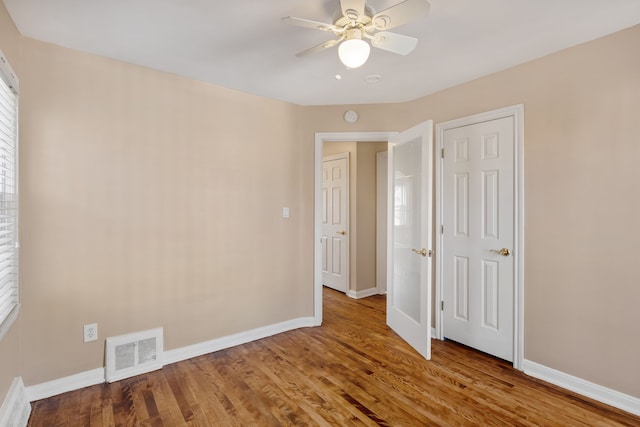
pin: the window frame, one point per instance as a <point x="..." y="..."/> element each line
<point x="8" y="77"/>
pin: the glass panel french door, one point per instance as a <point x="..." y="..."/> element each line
<point x="410" y="220"/>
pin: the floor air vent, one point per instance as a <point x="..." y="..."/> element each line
<point x="133" y="354"/>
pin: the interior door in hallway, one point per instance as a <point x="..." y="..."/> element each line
<point x="335" y="222"/>
<point x="478" y="240"/>
<point x="409" y="236"/>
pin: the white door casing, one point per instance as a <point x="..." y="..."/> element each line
<point x="335" y="222"/>
<point x="382" y="182"/>
<point x="410" y="236"/>
<point x="480" y="199"/>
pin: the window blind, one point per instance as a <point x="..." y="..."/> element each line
<point x="8" y="196"/>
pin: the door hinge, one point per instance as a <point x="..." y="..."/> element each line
<point x="442" y="305"/>
<point x="442" y="229"/>
<point x="442" y="153"/>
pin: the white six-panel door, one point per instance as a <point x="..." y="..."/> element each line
<point x="478" y="218"/>
<point x="335" y="219"/>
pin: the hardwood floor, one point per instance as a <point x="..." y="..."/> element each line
<point x="352" y="371"/>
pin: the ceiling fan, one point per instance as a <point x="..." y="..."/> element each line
<point x="359" y="23"/>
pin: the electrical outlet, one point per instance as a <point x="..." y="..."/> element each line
<point x="90" y="332"/>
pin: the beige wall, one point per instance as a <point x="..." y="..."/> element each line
<point x="581" y="204"/>
<point x="153" y="200"/>
<point x="362" y="209"/>
<point x="366" y="202"/>
<point x="10" y="343"/>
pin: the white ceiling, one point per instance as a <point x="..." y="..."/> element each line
<point x="242" y="44"/>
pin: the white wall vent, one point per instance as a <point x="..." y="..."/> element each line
<point x="134" y="354"/>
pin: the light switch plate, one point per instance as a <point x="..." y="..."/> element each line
<point x="285" y="212"/>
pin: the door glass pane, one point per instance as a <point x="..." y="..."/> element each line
<point x="407" y="202"/>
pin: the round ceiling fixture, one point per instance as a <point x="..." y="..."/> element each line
<point x="354" y="51"/>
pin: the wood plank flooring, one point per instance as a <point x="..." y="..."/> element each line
<point x="352" y="371"/>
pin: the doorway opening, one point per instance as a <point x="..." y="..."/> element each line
<point x="350" y="216"/>
<point x="320" y="139"/>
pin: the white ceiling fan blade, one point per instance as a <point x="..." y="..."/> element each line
<point x="321" y="46"/>
<point x="392" y="42"/>
<point x="307" y="23"/>
<point x="353" y="9"/>
<point x="400" y="14"/>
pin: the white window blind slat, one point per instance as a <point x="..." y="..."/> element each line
<point x="5" y="90"/>
<point x="7" y="151"/>
<point x="8" y="196"/>
<point x="8" y="305"/>
<point x="6" y="268"/>
<point x="6" y="133"/>
<point x="8" y="124"/>
<point x="8" y="115"/>
<point x="5" y="232"/>
<point x="5" y="255"/>
<point x="7" y="279"/>
<point x="6" y="293"/>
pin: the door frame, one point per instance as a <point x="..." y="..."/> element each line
<point x="320" y="139"/>
<point x="382" y="183"/>
<point x="517" y="112"/>
<point x="347" y="270"/>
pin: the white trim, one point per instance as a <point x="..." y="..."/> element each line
<point x="363" y="294"/>
<point x="65" y="384"/>
<point x="320" y="138"/>
<point x="183" y="353"/>
<point x="15" y="409"/>
<point x="517" y="112"/>
<point x="382" y="182"/>
<point x="578" y="385"/>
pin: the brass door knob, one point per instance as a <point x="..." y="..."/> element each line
<point x="503" y="251"/>
<point x="422" y="252"/>
<point x="341" y="232"/>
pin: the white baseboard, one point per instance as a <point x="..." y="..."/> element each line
<point x="65" y="384"/>
<point x="183" y="353"/>
<point x="15" y="409"/>
<point x="594" y="391"/>
<point x="362" y="294"/>
<point x="97" y="376"/>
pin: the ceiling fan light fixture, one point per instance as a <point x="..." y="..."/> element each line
<point x="353" y="53"/>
